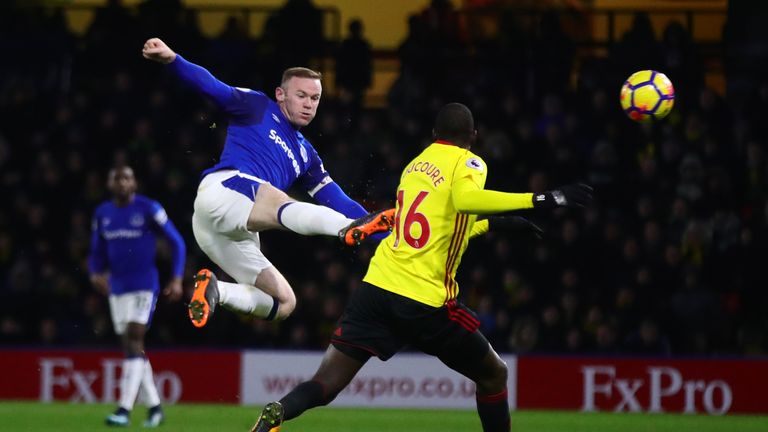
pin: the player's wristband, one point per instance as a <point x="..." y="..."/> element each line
<point x="548" y="200"/>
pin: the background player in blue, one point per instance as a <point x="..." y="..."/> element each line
<point x="264" y="155"/>
<point x="122" y="265"/>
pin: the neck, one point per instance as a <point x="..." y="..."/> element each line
<point x="460" y="144"/>
<point x="287" y="117"/>
<point x="121" y="201"/>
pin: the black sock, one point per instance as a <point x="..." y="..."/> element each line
<point x="306" y="395"/>
<point x="494" y="412"/>
<point x="154" y="409"/>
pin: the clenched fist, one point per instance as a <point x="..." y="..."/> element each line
<point x="155" y="49"/>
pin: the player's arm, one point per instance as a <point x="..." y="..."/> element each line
<point x="232" y="100"/>
<point x="321" y="187"/>
<point x="97" y="259"/>
<point x="178" y="251"/>
<point x="331" y="195"/>
<point x="479" y="228"/>
<point x="468" y="197"/>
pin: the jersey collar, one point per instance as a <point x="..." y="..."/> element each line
<point x="445" y="143"/>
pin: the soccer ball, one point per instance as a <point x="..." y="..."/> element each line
<point x="647" y="96"/>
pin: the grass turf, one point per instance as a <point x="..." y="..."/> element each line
<point x="31" y="416"/>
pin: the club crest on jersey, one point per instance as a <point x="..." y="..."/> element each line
<point x="475" y="163"/>
<point x="303" y="152"/>
<point x="137" y="220"/>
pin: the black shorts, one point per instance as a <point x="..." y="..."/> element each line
<point x="377" y="322"/>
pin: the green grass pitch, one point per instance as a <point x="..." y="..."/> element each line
<point x="62" y="417"/>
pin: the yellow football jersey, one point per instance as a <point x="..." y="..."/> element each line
<point x="419" y="259"/>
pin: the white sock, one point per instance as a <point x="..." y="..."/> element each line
<point x="245" y="299"/>
<point x="130" y="381"/>
<point x="148" y="391"/>
<point x="311" y="219"/>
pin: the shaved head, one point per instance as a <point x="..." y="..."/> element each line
<point x="455" y="123"/>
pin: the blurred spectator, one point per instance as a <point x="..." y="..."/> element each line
<point x="647" y="340"/>
<point x="638" y="48"/>
<point x="553" y="53"/>
<point x="354" y="68"/>
<point x="300" y="36"/>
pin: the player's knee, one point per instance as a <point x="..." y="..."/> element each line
<point x="495" y="378"/>
<point x="286" y="305"/>
<point x="331" y="389"/>
<point x="133" y="348"/>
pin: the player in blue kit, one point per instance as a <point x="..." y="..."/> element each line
<point x="243" y="194"/>
<point x="122" y="265"/>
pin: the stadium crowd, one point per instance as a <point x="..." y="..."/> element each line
<point x="667" y="261"/>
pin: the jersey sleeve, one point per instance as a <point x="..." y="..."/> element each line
<point x="315" y="176"/>
<point x="469" y="196"/>
<point x="239" y="103"/>
<point x="178" y="248"/>
<point x="471" y="167"/>
<point x="479" y="228"/>
<point x="319" y="185"/>
<point x="97" y="258"/>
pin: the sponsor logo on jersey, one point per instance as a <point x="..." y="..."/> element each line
<point x="288" y="152"/>
<point x="122" y="234"/>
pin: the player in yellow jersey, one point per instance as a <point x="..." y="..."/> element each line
<point x="409" y="293"/>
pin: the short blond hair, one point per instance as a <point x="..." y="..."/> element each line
<point x="300" y="72"/>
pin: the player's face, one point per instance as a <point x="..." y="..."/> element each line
<point x="122" y="183"/>
<point x="298" y="99"/>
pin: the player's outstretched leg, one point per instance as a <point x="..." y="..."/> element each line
<point x="363" y="227"/>
<point x="270" y="419"/>
<point x="204" y="298"/>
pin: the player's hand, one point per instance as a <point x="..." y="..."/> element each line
<point x="173" y="290"/>
<point x="573" y="195"/>
<point x="156" y="50"/>
<point x="514" y="224"/>
<point x="100" y="282"/>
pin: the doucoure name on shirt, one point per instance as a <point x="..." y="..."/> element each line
<point x="429" y="169"/>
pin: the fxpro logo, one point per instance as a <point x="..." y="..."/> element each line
<point x="279" y="141"/>
<point x="59" y="380"/>
<point x="661" y="384"/>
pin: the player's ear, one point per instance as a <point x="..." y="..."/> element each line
<point x="279" y="94"/>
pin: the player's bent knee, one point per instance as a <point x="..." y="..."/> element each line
<point x="495" y="378"/>
<point x="286" y="305"/>
<point x="331" y="389"/>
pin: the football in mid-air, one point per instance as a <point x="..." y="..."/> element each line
<point x="647" y="96"/>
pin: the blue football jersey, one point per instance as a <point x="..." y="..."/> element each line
<point x="123" y="242"/>
<point x="260" y="140"/>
